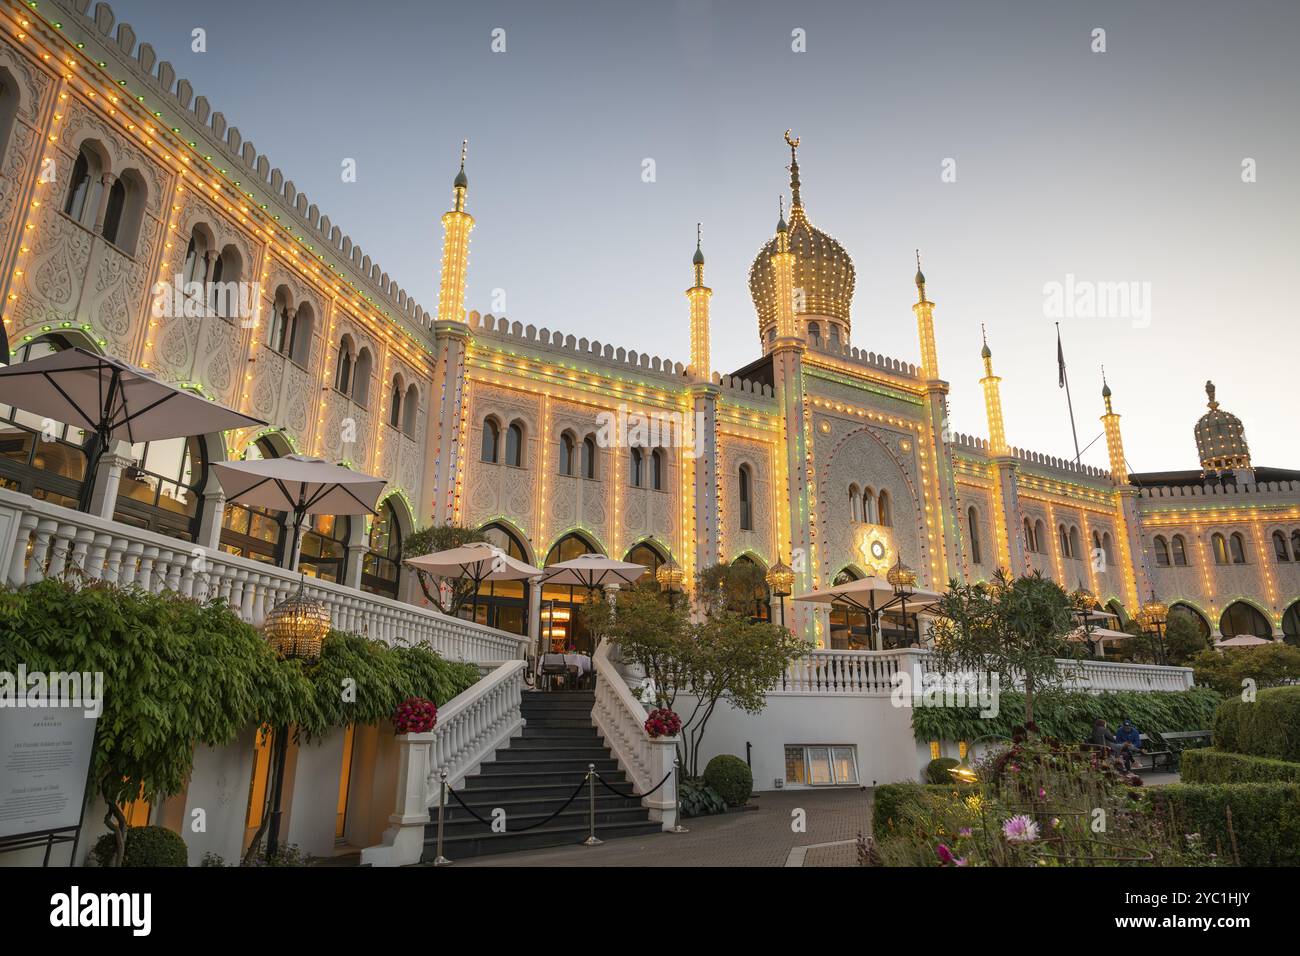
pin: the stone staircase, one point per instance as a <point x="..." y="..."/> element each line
<point x="530" y="780"/>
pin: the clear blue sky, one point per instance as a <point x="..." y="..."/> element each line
<point x="1115" y="166"/>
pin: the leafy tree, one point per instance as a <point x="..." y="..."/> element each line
<point x="740" y="587"/>
<point x="1014" y="628"/>
<point x="1274" y="665"/>
<point x="441" y="537"/>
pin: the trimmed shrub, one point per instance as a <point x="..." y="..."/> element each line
<point x="1265" y="819"/>
<point x="1210" y="765"/>
<point x="1269" y="726"/>
<point x="891" y="798"/>
<point x="145" y="846"/>
<point x="731" y="778"/>
<point x="936" y="771"/>
<point x="697" y="799"/>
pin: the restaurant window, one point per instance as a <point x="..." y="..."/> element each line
<point x="382" y="563"/>
<point x="162" y="488"/>
<point x="1241" y="619"/>
<point x="249" y="531"/>
<point x="324" y="549"/>
<point x="821" y="765"/>
<point x="849" y="627"/>
<point x="649" y="557"/>
<point x="501" y="604"/>
<point x="561" y="625"/>
<point x="762" y="594"/>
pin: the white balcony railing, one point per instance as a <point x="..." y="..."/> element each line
<point x="39" y="540"/>
<point x="871" y="673"/>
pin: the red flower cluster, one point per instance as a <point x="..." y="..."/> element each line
<point x="662" y="722"/>
<point x="415" y="715"/>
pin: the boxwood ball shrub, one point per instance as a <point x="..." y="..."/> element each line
<point x="1268" y="726"/>
<point x="731" y="778"/>
<point x="1211" y="765"/>
<point x="936" y="771"/>
<point x="145" y="846"/>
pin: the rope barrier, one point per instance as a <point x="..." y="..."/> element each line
<point x="634" y="796"/>
<point x="532" y="826"/>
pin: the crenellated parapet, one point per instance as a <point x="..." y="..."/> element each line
<point x="1280" y="489"/>
<point x="871" y="360"/>
<point x="1065" y="466"/>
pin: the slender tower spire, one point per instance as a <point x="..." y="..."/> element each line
<point x="783" y="277"/>
<point x="456" y="226"/>
<point x="924" y="310"/>
<point x="795" y="201"/>
<point x="992" y="401"/>
<point x="698" y="295"/>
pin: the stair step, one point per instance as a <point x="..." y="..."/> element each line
<point x="483" y="844"/>
<point x="484" y="802"/>
<point x="575" y="816"/>
<point x="591" y="752"/>
<point x="560" y="777"/>
<point x="556" y="738"/>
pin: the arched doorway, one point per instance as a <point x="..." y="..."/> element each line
<point x="502" y="604"/>
<point x="48" y="465"/>
<point x="562" y="627"/>
<point x="1190" y="613"/>
<point x="1241" y="618"/>
<point x="252" y="532"/>
<point x="850" y="629"/>
<point x="753" y="572"/>
<point x="163" y="489"/>
<point x="1291" y="625"/>
<point x="647" y="554"/>
<point x="382" y="564"/>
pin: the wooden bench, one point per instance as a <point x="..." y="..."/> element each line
<point x="1175" y="742"/>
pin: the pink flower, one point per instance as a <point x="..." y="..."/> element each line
<point x="964" y="832"/>
<point x="945" y="854"/>
<point x="1020" y="829"/>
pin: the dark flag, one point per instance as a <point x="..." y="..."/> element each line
<point x="1060" y="357"/>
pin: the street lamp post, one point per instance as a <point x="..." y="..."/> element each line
<point x="780" y="579"/>
<point x="295" y="629"/>
<point x="1085" y="602"/>
<point x="903" y="580"/>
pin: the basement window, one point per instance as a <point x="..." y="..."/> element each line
<point x="821" y="765"/>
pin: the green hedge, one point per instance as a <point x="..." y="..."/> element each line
<point x="936" y="771"/>
<point x="145" y="846"/>
<point x="1069" y="715"/>
<point x="1265" y="818"/>
<point x="1210" y="765"/>
<point x="731" y="778"/>
<point x="890" y="798"/>
<point x="1268" y="726"/>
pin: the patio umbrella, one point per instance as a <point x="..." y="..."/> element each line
<point x="872" y="595"/>
<point x="300" y="485"/>
<point x="477" y="561"/>
<point x="592" y="571"/>
<point x="1099" y="634"/>
<point x="1242" y="640"/>
<point x="111" y="401"/>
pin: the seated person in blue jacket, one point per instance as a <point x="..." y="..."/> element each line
<point x="1130" y="739"/>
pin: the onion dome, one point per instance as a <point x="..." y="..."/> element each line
<point x="462" y="181"/>
<point x="823" y="272"/>
<point x="1221" y="438"/>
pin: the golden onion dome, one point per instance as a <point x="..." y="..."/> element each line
<point x="1221" y="438"/>
<point x="823" y="271"/>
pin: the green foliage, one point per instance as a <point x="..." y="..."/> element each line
<point x="1069" y="715"/>
<point x="1268" y="666"/>
<point x="441" y="537"/>
<point x="145" y="846"/>
<point x="650" y="630"/>
<point x="1265" y="819"/>
<point x="1210" y="765"/>
<point x="731" y="778"/>
<point x="1014" y="628"/>
<point x="1268" y="726"/>
<point x="738" y="587"/>
<point x="697" y="799"/>
<point x="888" y="809"/>
<point x="936" y="771"/>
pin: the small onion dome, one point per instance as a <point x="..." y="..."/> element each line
<point x="920" y="277"/>
<point x="462" y="181"/>
<point x="986" y="352"/>
<point x="780" y="578"/>
<point x="1221" y="438"/>
<point x="1105" y="390"/>
<point x="698" y="258"/>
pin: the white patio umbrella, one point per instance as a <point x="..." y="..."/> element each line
<point x="111" y="400"/>
<point x="477" y="561"/>
<point x="1242" y="640"/>
<point x="593" y="571"/>
<point x="1099" y="634"/>
<point x="872" y="595"/>
<point x="300" y="485"/>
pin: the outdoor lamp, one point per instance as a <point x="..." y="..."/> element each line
<point x="780" y="579"/>
<point x="297" y="625"/>
<point x="1152" y="616"/>
<point x="901" y="578"/>
<point x="670" y="576"/>
<point x="1083" y="599"/>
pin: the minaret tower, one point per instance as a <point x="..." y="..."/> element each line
<point x="451" y="336"/>
<point x="924" y="310"/>
<point x="1011" y="543"/>
<point x="701" y="462"/>
<point x="1134" y="572"/>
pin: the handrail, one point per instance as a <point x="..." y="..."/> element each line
<point x="39" y="539"/>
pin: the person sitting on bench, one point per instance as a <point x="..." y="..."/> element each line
<point x="1102" y="737"/>
<point x="1130" y="739"/>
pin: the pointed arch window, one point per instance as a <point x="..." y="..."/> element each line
<point x="973" y="528"/>
<point x="854" y="513"/>
<point x="1177" y="549"/>
<point x="1161" y="552"/>
<point x="491" y="440"/>
<point x="515" y="444"/>
<point x="869" y="506"/>
<point x="1279" y="547"/>
<point x="1040" y="536"/>
<point x="884" y="509"/>
<point x="1237" y="548"/>
<point x="567" y="450"/>
<point x="589" y="457"/>
<point x="1220" y="546"/>
<point x="410" y="410"/>
<point x="381" y="567"/>
<point x="634" y="467"/>
<point x="746" y="493"/>
<point x="395" y="402"/>
<point x="1030" y="543"/>
<point x="657" y="469"/>
<point x="1295" y="545"/>
<point x="343" y="368"/>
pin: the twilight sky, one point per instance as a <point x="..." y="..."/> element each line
<point x="1122" y="166"/>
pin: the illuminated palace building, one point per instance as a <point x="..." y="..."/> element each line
<point x="115" y="178"/>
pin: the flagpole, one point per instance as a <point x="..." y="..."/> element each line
<point x="1065" y="383"/>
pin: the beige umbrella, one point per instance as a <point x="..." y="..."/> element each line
<point x="1242" y="640"/>
<point x="111" y="401"/>
<point x="592" y="571"/>
<point x="300" y="485"/>
<point x="873" y="595"/>
<point x="477" y="561"/>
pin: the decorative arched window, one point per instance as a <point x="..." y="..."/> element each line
<point x="762" y="593"/>
<point x="85" y="185"/>
<point x="9" y="103"/>
<point x="395" y="402"/>
<point x="343" y="369"/>
<point x="746" y="495"/>
<point x="277" y="333"/>
<point x="125" y="210"/>
<point x="1106" y="549"/>
<point x="589" y="457"/>
<point x="410" y="410"/>
<point x="814" y="333"/>
<point x="1178" y="551"/>
<point x="562" y="625"/>
<point x="884" y="510"/>
<point x="1279" y="547"/>
<point x="1193" y="615"/>
<point x="324" y="548"/>
<point x="657" y="469"/>
<point x="849" y="625"/>
<point x="1162" y="552"/>
<point x="249" y="531"/>
<point x="567" y="450"/>
<point x="648" y="556"/>
<point x="162" y="488"/>
<point x="1040" y="537"/>
<point x="1076" y="551"/>
<point x="973" y="531"/>
<point x="515" y="444"/>
<point x="869" y="506"/>
<point x="381" y="567"/>
<point x="196" y="256"/>
<point x="854" y="513"/>
<point x="1237" y="547"/>
<point x="491" y="439"/>
<point x="301" y="326"/>
<point x="833" y="334"/>
<point x="1295" y="545"/>
<point x="1220" y="546"/>
<point x="1065" y="541"/>
<point x="1241" y="619"/>
<point x="1291" y="624"/>
<point x="634" y="467"/>
<point x="1030" y="543"/>
<point x="361" y="378"/>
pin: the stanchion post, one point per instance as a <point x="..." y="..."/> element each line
<point x="591" y="808"/>
<point x="677" y="798"/>
<point x="441" y="860"/>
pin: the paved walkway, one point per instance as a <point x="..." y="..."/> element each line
<point x="761" y="837"/>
